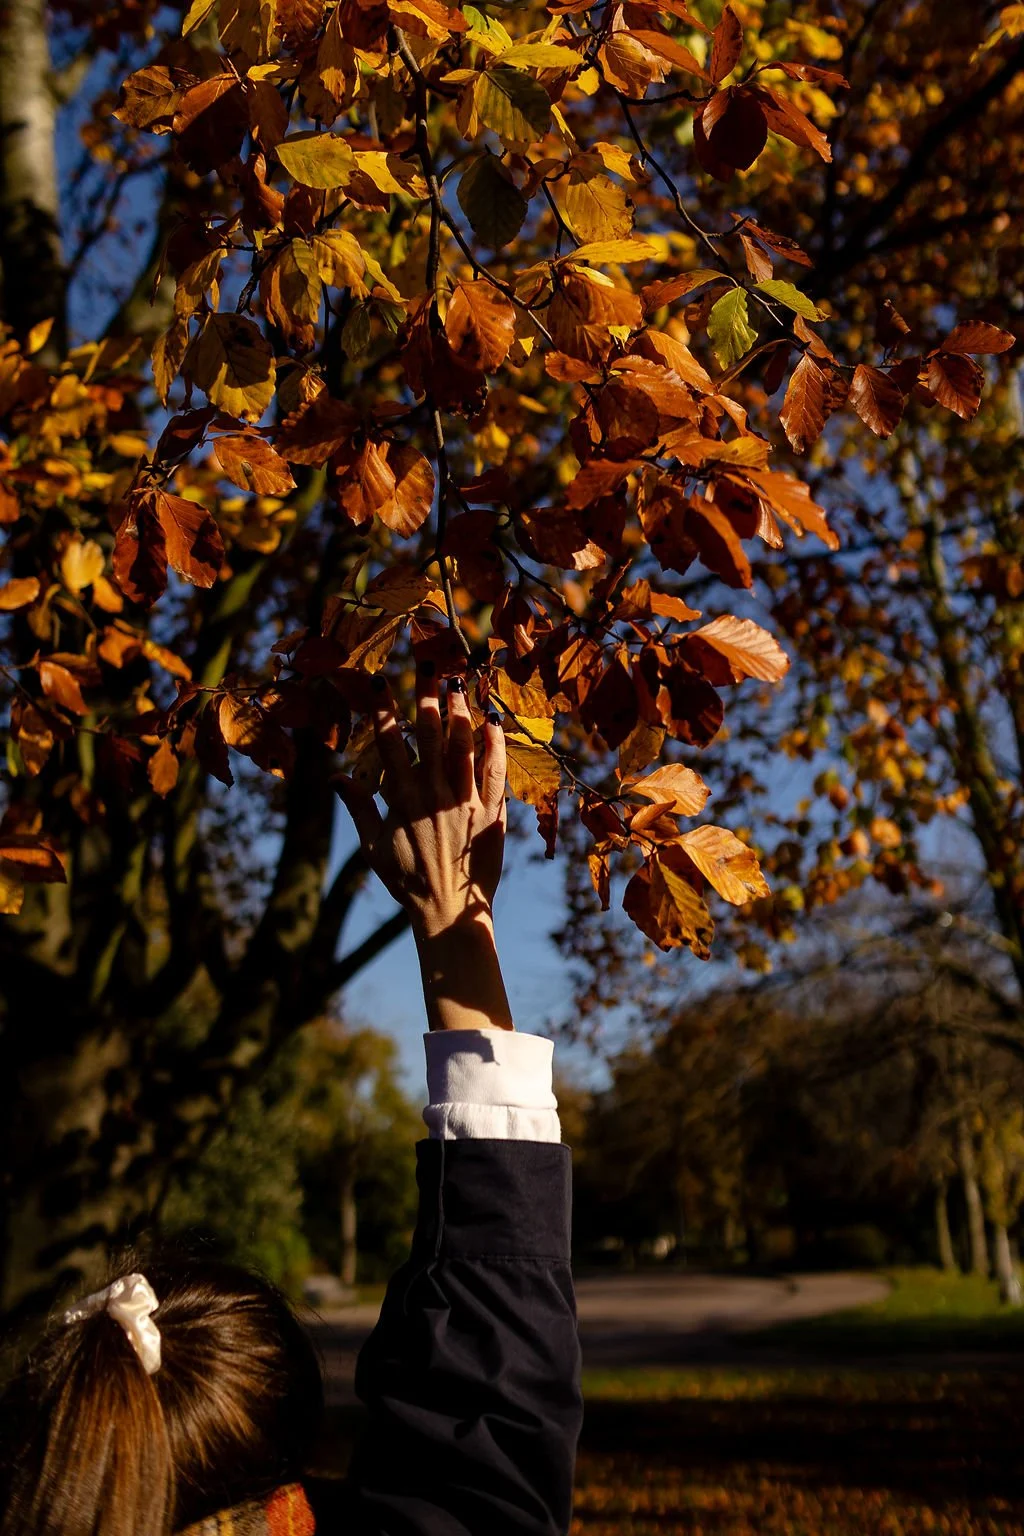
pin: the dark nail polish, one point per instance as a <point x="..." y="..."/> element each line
<point x="456" y="685"/>
<point x="492" y="718"/>
<point x="378" y="683"/>
<point x="427" y="668"/>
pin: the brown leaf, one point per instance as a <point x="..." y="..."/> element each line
<point x="150" y="97"/>
<point x="34" y="733"/>
<point x="534" y="775"/>
<point x="246" y="727"/>
<point x="211" y="122"/>
<point x="250" y="462"/>
<point x="978" y="338"/>
<point x="162" y="768"/>
<point x="735" y="128"/>
<point x="956" y="382"/>
<point x="876" y="399"/>
<point x="739" y="648"/>
<point x="311" y="434"/>
<point x="726" y="863"/>
<point x="192" y="540"/>
<point x="662" y="902"/>
<point x="480" y="325"/>
<point x="805" y="408"/>
<point x="726" y="45"/>
<point x="610" y="707"/>
<point x="413" y="496"/>
<point x="583" y="311"/>
<point x="30" y="860"/>
<point x="786" y="119"/>
<point x="690" y="708"/>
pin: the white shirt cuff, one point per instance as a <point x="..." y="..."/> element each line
<point x="492" y="1084"/>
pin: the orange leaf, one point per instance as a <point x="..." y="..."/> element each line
<point x="33" y="862"/>
<point x="480" y="325"/>
<point x="792" y="500"/>
<point x="726" y="45"/>
<point x="726" y="863"/>
<point x="665" y="906"/>
<point x="414" y="489"/>
<point x="805" y="408"/>
<point x="162" y="768"/>
<point x="740" y="648"/>
<point x="979" y="338"/>
<point x="251" y="463"/>
<point x="956" y="382"/>
<point x="62" y="686"/>
<point x="18" y="593"/>
<point x="675" y="786"/>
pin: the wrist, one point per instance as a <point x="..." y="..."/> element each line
<point x="462" y="981"/>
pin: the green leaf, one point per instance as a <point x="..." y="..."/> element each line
<point x="320" y="160"/>
<point x="729" y="329"/>
<point x="491" y="201"/>
<point x="513" y="105"/>
<point x="793" y="299"/>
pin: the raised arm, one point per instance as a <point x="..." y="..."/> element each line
<point x="471" y="1376"/>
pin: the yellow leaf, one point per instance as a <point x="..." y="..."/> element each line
<point x="595" y="207"/>
<point x="390" y="173"/>
<point x="532" y="730"/>
<point x="233" y="362"/>
<point x="618" y="252"/>
<point x="320" y="160"/>
<point x="196" y="15"/>
<point x="37" y="337"/>
<point x="339" y="259"/>
<point x="247" y="27"/>
<point x="726" y="863"/>
<point x="12" y="895"/>
<point x="80" y="564"/>
<point x="540" y="56"/>
<point x="533" y="774"/>
<point x="513" y="105"/>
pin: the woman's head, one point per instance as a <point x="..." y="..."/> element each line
<point x="92" y="1445"/>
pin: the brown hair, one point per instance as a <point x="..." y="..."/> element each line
<point x="92" y="1446"/>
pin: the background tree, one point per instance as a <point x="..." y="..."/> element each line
<point x="475" y="303"/>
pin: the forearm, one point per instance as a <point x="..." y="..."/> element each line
<point x="462" y="982"/>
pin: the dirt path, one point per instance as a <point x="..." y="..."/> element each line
<point x="647" y="1319"/>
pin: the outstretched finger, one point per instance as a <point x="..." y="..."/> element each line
<point x="492" y="782"/>
<point x="429" y="727"/>
<point x="360" y="805"/>
<point x="460" y="742"/>
<point x="398" y="780"/>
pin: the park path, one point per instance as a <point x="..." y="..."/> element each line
<point x="645" y="1319"/>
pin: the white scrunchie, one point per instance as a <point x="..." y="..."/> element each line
<point x="130" y="1302"/>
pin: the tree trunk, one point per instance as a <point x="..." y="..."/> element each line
<point x="348" y="1266"/>
<point x="972" y="1199"/>
<point x="943" y="1238"/>
<point x="31" y="259"/>
<point x="1007" y="1273"/>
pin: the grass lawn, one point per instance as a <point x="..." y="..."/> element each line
<point x="801" y="1452"/>
<point x="925" y="1310"/>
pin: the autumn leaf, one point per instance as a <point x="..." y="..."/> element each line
<point x="675" y="786"/>
<point x="726" y="45"/>
<point x="533" y="773"/>
<point x="956" y="381"/>
<point x="791" y="296"/>
<point x="729" y="649"/>
<point x="162" y="768"/>
<point x="250" y="462"/>
<point x="320" y="160"/>
<point x="480" y="325"/>
<point x="805" y="408"/>
<point x="876" y="399"/>
<point x="978" y="338"/>
<point x="726" y="863"/>
<point x="30" y="860"/>
<point x="665" y="905"/>
<point x="514" y="106"/>
<point x="62" y="687"/>
<point x="161" y="530"/>
<point x="233" y="363"/>
<point x="413" y="496"/>
<point x="18" y="593"/>
<point x="491" y="201"/>
<point x="249" y="730"/>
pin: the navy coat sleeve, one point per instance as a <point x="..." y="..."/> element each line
<point x="471" y="1376"/>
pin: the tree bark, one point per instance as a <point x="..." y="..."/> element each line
<point x="972" y="1199"/>
<point x="31" y="259"/>
<point x="1007" y="1273"/>
<point x="348" y="1230"/>
<point x="943" y="1237"/>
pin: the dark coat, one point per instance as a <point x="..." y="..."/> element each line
<point x="471" y="1376"/>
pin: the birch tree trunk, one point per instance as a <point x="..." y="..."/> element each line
<point x="943" y="1237"/>
<point x="31" y="258"/>
<point x="1007" y="1273"/>
<point x="972" y="1199"/>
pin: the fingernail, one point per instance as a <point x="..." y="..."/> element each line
<point x="378" y="683"/>
<point x="427" y="668"/>
<point x="456" y="685"/>
<point x="492" y="718"/>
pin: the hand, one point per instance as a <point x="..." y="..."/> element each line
<point x="439" y="849"/>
